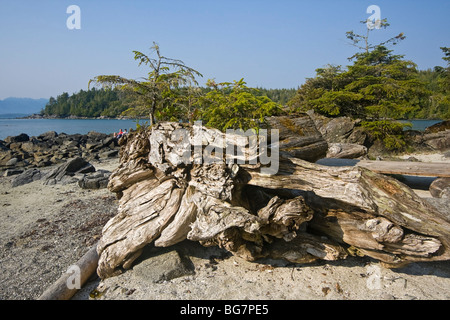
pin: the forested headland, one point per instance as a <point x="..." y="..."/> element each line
<point x="377" y="85"/>
<point x="377" y="88"/>
<point x="112" y="103"/>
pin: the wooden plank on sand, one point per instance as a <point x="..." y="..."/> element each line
<point x="427" y="169"/>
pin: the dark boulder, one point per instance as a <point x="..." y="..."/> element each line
<point x="70" y="168"/>
<point x="346" y="151"/>
<point x="12" y="172"/>
<point x="156" y="265"/>
<point x="3" y="146"/>
<point x="96" y="136"/>
<point x="439" y="141"/>
<point x="343" y="136"/>
<point x="27" y="177"/>
<point x="339" y="130"/>
<point x="49" y="135"/>
<point x="438" y="127"/>
<point x="95" y="180"/>
<point x="6" y="156"/>
<point x="20" y="138"/>
<point x="299" y="137"/>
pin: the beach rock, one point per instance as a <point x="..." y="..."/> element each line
<point x="52" y="148"/>
<point x="70" y="168"/>
<point x="438" y="141"/>
<point x="42" y="159"/>
<point x="165" y="266"/>
<point x="71" y="143"/>
<point x="340" y="130"/>
<point x="3" y="146"/>
<point x="110" y="142"/>
<point x="49" y="135"/>
<point x="12" y="162"/>
<point x="27" y="177"/>
<point x="414" y="137"/>
<point x="440" y="188"/>
<point x="108" y="154"/>
<point x="29" y="147"/>
<point x="12" y="172"/>
<point x="5" y="156"/>
<point x="15" y="146"/>
<point x="20" y="138"/>
<point x="96" y="136"/>
<point x="358" y="136"/>
<point x="95" y="180"/>
<point x="346" y="151"/>
<point x="93" y="145"/>
<point x="441" y="126"/>
<point x="299" y="137"/>
<point x="377" y="150"/>
<point x="337" y="129"/>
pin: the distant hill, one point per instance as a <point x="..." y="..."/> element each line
<point x="22" y="105"/>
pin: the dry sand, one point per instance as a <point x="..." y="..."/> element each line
<point x="426" y="157"/>
<point x="45" y="229"/>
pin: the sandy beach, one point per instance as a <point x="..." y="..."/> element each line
<point x="47" y="228"/>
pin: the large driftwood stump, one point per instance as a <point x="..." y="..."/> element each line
<point x="176" y="182"/>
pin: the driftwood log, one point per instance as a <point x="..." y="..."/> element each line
<point x="300" y="212"/>
<point x="59" y="290"/>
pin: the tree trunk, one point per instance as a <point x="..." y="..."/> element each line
<point x="169" y="192"/>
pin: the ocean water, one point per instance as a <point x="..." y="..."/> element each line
<point x="34" y="127"/>
<point x="421" y="125"/>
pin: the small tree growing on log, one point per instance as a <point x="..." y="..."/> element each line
<point x="236" y="106"/>
<point x="379" y="86"/>
<point x="158" y="89"/>
<point x="303" y="212"/>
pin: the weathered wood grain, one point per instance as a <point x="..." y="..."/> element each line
<point x="301" y="213"/>
<point x="427" y="169"/>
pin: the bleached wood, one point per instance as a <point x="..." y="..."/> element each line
<point x="59" y="290"/>
<point x="302" y="213"/>
<point x="427" y="169"/>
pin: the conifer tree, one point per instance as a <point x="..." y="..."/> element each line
<point x="158" y="90"/>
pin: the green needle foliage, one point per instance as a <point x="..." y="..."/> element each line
<point x="158" y="92"/>
<point x="236" y="106"/>
<point x="90" y="103"/>
<point x="378" y="87"/>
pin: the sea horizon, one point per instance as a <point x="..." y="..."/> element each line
<point x="35" y="127"/>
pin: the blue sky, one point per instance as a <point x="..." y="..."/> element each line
<point x="272" y="44"/>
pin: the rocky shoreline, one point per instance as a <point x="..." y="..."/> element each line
<point x="346" y="139"/>
<point x="39" y="116"/>
<point x="18" y="153"/>
<point x="54" y="205"/>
